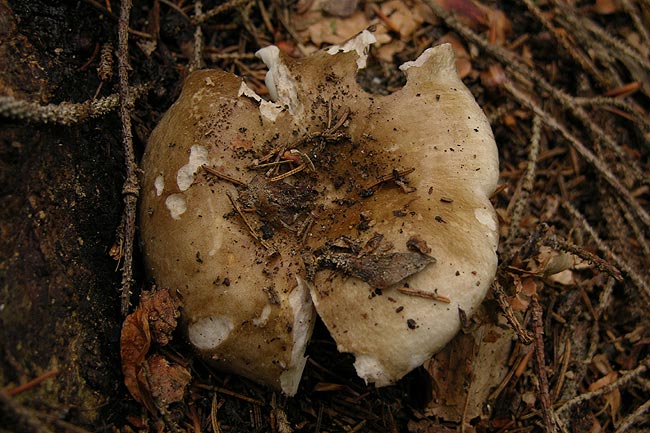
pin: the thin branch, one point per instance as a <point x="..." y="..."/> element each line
<point x="619" y="383"/>
<point x="65" y="113"/>
<point x="528" y="178"/>
<point x="12" y="412"/>
<point x="506" y="308"/>
<point x="586" y="64"/>
<point x="641" y="29"/>
<point x="197" y="59"/>
<point x="225" y="7"/>
<point x="636" y="417"/>
<point x="587" y="154"/>
<point x="511" y="61"/>
<point x="131" y="187"/>
<point x="638" y="234"/>
<point x="540" y="362"/>
<point x="642" y="286"/>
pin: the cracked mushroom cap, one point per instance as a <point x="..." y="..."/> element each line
<point x="372" y="209"/>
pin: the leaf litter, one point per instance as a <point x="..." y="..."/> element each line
<point x="565" y="86"/>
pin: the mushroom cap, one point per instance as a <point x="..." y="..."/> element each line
<point x="398" y="201"/>
<point x="246" y="311"/>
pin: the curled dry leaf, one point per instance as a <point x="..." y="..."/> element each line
<point x="465" y="372"/>
<point x="606" y="7"/>
<point x="166" y="381"/>
<point x="612" y="398"/>
<point x="162" y="310"/>
<point x="151" y="381"/>
<point x="134" y="345"/>
<point x="478" y="16"/>
<point x="494" y="76"/>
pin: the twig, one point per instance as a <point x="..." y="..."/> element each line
<point x="586" y="64"/>
<point x="526" y="186"/>
<point x="641" y="29"/>
<point x="213" y="414"/>
<point x="424" y="294"/>
<point x="587" y="154"/>
<point x="619" y="383"/>
<point x="230" y="56"/>
<point x="11" y="412"/>
<point x="638" y="234"/>
<point x="113" y="17"/>
<point x="638" y="416"/>
<point x="540" y="362"/>
<point x="289" y="173"/>
<point x="603" y="303"/>
<point x="65" y="113"/>
<point x="644" y="288"/>
<point x="176" y="8"/>
<point x="529" y="74"/>
<point x="612" y="44"/>
<point x="32" y="383"/>
<point x="220" y="175"/>
<point x="249" y="225"/>
<point x="131" y="187"/>
<point x="197" y="59"/>
<point x="600" y="264"/>
<point x="506" y="308"/>
<point x="224" y="7"/>
<point x="639" y="118"/>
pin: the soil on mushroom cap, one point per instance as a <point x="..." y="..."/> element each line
<point x="288" y="209"/>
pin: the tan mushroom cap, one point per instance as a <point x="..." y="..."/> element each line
<point x="433" y="125"/>
<point x="258" y="324"/>
<point x="246" y="311"/>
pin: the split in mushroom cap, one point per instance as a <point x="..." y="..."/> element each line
<point x="385" y="198"/>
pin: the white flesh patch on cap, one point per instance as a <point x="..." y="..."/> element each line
<point x="159" y="184"/>
<point x="185" y="175"/>
<point x="486" y="218"/>
<point x="358" y="44"/>
<point x="421" y="60"/>
<point x="177" y="205"/>
<point x="370" y="369"/>
<point x="269" y="110"/>
<point x="209" y="332"/>
<point x="279" y="81"/>
<point x="263" y="317"/>
<point x="303" y="322"/>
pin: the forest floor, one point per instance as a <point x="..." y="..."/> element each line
<point x="563" y="340"/>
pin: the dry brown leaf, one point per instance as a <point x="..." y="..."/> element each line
<point x="477" y="16"/>
<point x="162" y="311"/>
<point x="151" y="380"/>
<point x="494" y="76"/>
<point x="612" y="398"/>
<point x="606" y="7"/>
<point x="134" y="345"/>
<point x="332" y="30"/>
<point x="608" y="379"/>
<point x="167" y="382"/>
<point x="464" y="373"/>
<point x="402" y="17"/>
<point x="341" y="8"/>
<point x="467" y="12"/>
<point x="499" y="26"/>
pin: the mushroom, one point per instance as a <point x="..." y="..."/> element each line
<point x="372" y="210"/>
